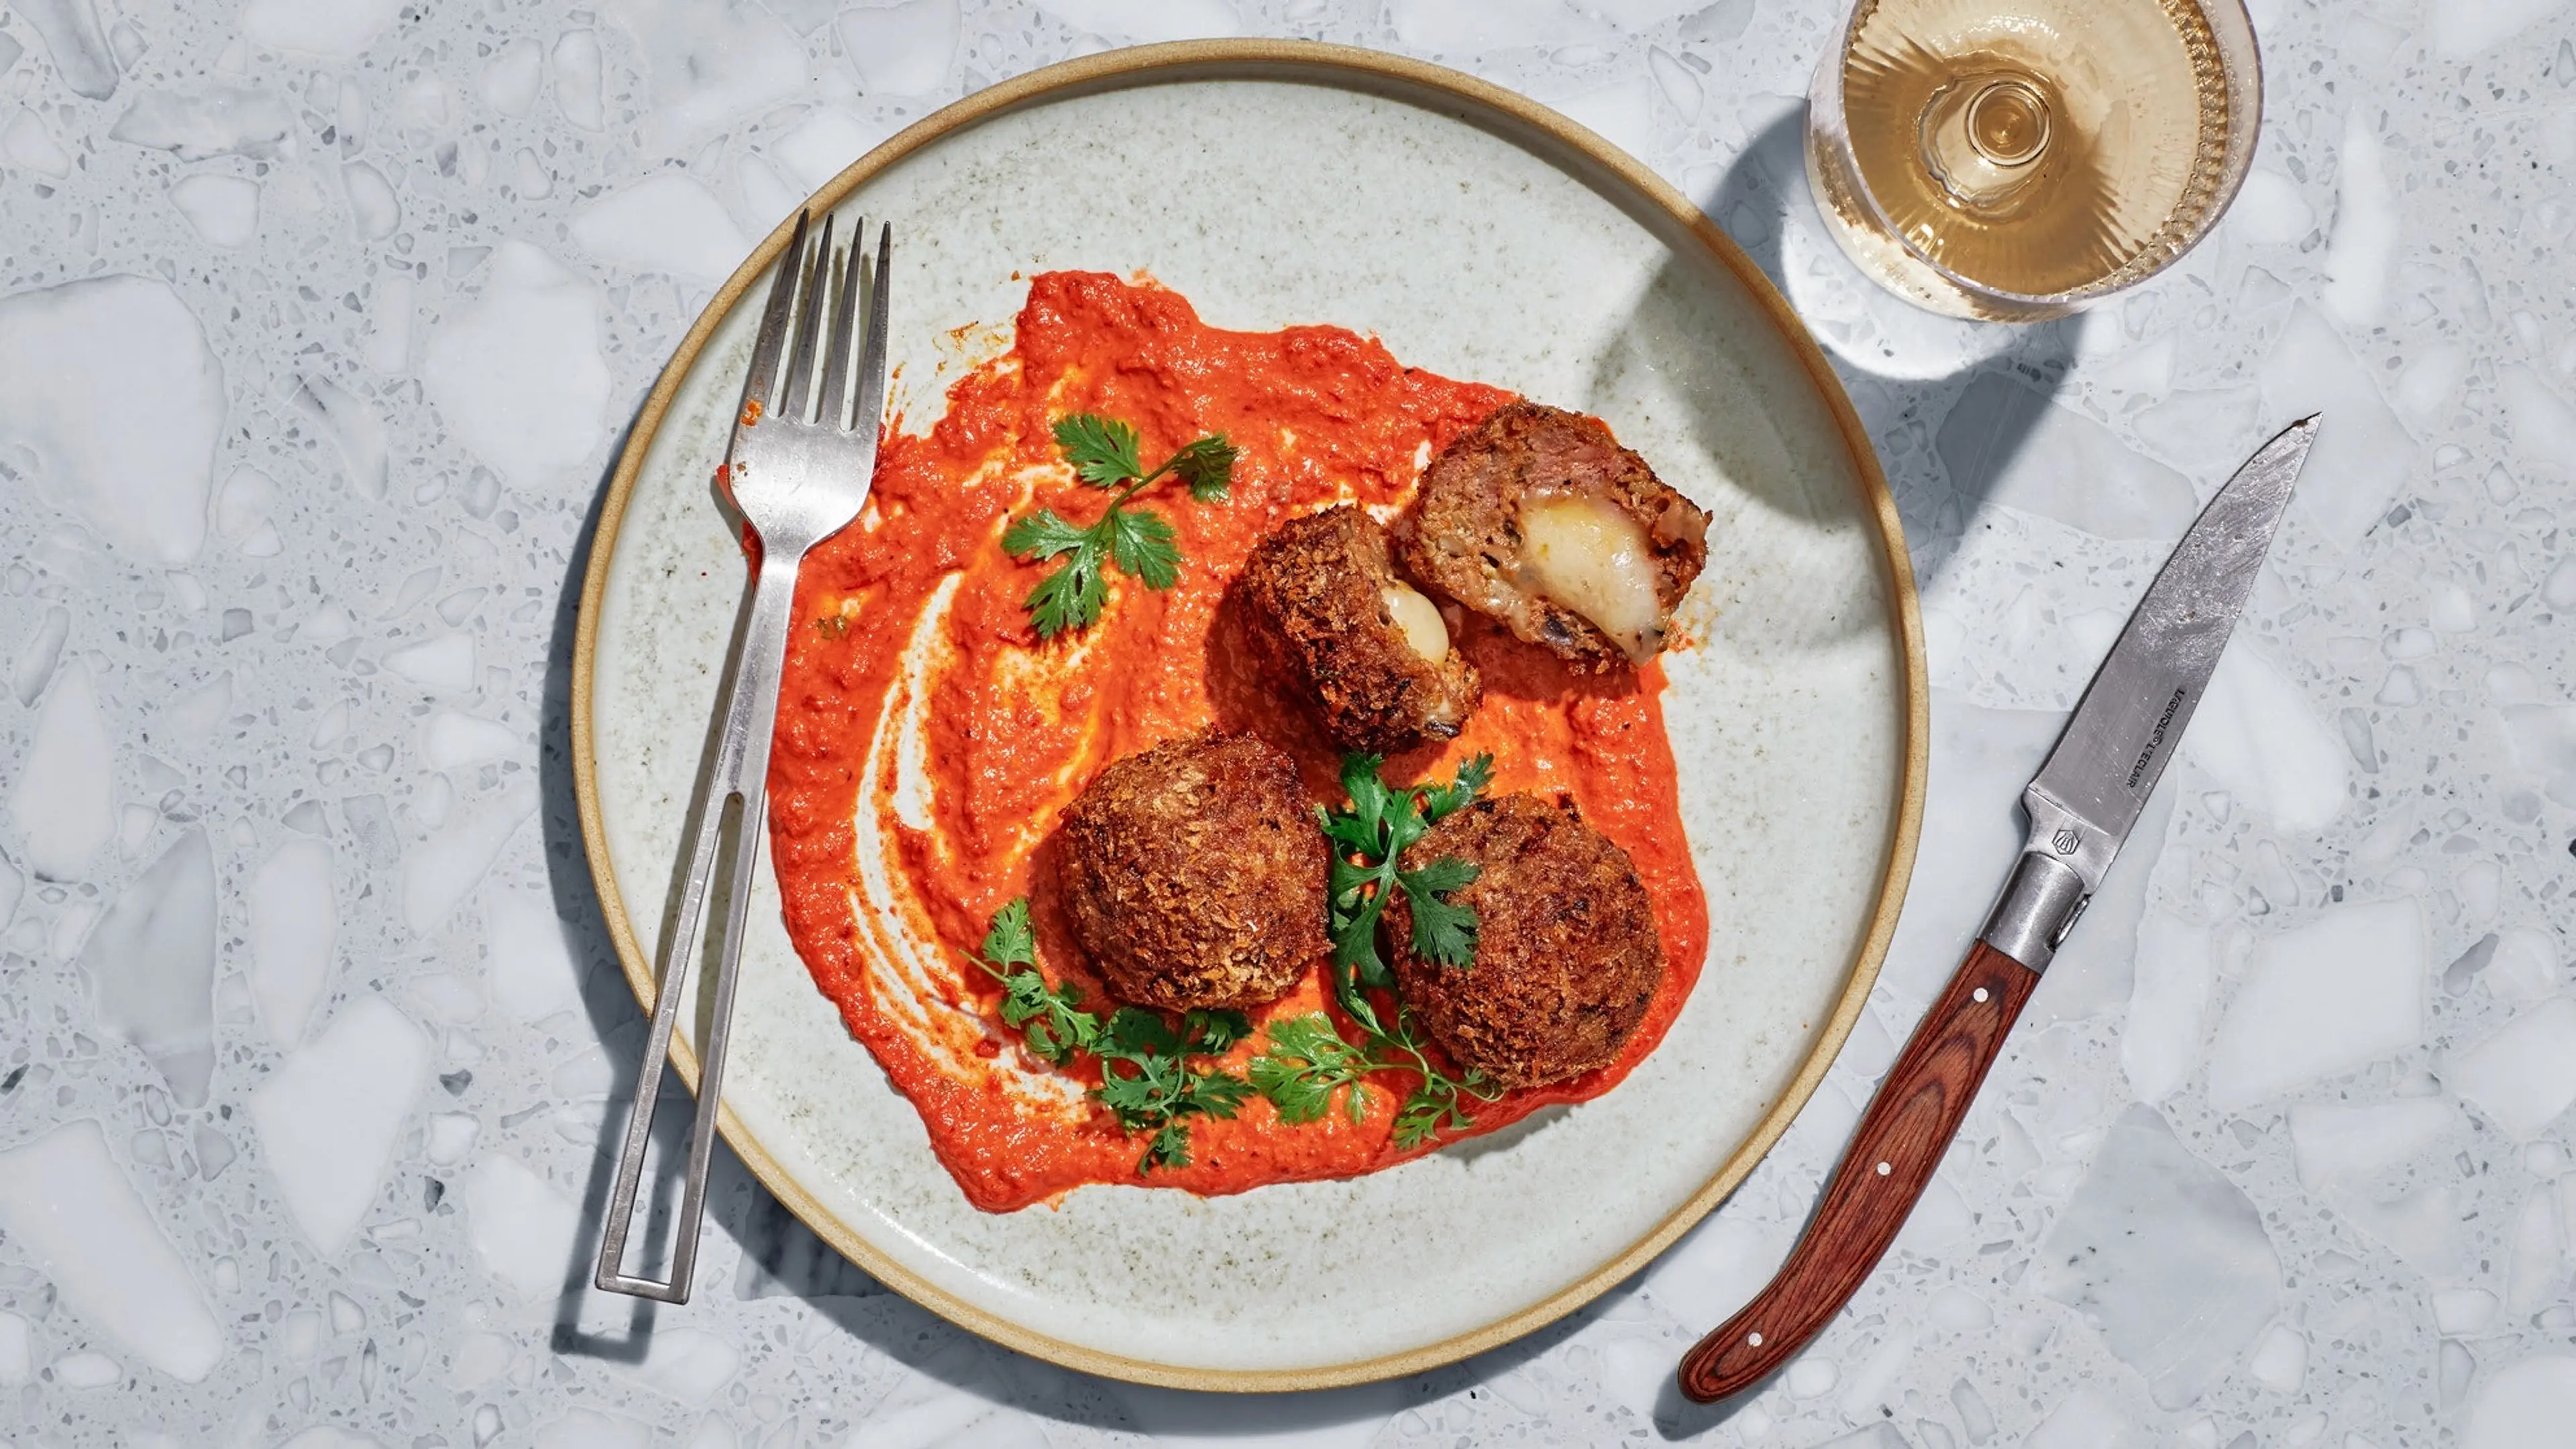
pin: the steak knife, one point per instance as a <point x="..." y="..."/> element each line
<point x="2081" y="806"/>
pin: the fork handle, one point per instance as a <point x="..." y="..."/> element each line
<point x="1899" y="1142"/>
<point x="740" y="771"/>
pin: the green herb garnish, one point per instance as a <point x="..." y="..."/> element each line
<point x="1162" y="1091"/>
<point x="1141" y="543"/>
<point x="1146" y="1077"/>
<point x="1308" y="1060"/>
<point x="1146" y="1080"/>
<point x="1436" y="1102"/>
<point x="1049" y="1018"/>
<point x="1369" y="840"/>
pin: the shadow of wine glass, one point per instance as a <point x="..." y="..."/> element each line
<point x="1906" y="372"/>
<point x="1949" y="406"/>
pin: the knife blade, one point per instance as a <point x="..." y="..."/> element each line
<point x="2122" y="734"/>
<point x="2081" y="806"/>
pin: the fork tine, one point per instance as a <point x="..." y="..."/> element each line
<point x="872" y="361"/>
<point x="760" y="382"/>
<point x="794" y="398"/>
<point x="835" y="405"/>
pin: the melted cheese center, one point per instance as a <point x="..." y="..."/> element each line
<point x="1592" y="558"/>
<point x="1420" y="620"/>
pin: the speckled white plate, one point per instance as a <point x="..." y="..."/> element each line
<point x="1480" y="236"/>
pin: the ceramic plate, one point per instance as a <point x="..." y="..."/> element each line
<point x="1482" y="237"/>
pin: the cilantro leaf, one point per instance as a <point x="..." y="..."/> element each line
<point x="1138" y="1034"/>
<point x="1070" y="598"/>
<point x="1140" y="1099"/>
<point x="1101" y="450"/>
<point x="1369" y="838"/>
<point x="1306" y="1063"/>
<point x="1308" y="1060"/>
<point x="1441" y="801"/>
<point x="1217" y="1094"/>
<point x="1147" y="1083"/>
<point x="1356" y="895"/>
<point x="1143" y="545"/>
<point x="1146" y="1079"/>
<point x="1421" y="1117"/>
<point x="1169" y="1147"/>
<point x="1439" y="1101"/>
<point x="1206" y="467"/>
<point x="1214" y="1033"/>
<point x="1042" y="535"/>
<point x="1010" y="941"/>
<point x="1049" y="1018"/>
<point x="1370" y="798"/>
<point x="1443" y="930"/>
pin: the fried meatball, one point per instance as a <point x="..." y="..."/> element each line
<point x="1332" y="624"/>
<point x="1193" y="874"/>
<point x="1566" y="952"/>
<point x="1539" y="519"/>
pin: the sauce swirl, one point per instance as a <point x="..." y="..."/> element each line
<point x="927" y="740"/>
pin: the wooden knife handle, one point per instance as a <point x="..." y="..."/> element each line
<point x="1899" y="1142"/>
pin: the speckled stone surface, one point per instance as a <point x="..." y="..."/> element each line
<point x="318" y="323"/>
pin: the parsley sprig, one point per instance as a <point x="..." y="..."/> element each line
<point x="1161" y="1091"/>
<point x="1146" y="1079"/>
<point x="1369" y="840"/>
<point x="1307" y="1059"/>
<point x="1306" y="1062"/>
<point x="1049" y="1018"/>
<point x="1141" y="543"/>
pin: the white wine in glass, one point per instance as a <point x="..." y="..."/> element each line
<point x="2016" y="159"/>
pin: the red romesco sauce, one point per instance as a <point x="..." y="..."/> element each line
<point x="927" y="740"/>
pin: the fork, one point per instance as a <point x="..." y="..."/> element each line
<point x="798" y="469"/>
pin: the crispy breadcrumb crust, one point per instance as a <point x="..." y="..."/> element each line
<point x="1462" y="532"/>
<point x="1314" y="592"/>
<point x="1567" y="956"/>
<point x="1193" y="874"/>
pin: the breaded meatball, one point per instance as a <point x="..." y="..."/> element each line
<point x="1332" y="623"/>
<point x="1193" y="874"/>
<point x="1566" y="952"/>
<point x="1539" y="519"/>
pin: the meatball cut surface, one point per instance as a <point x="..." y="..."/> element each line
<point x="1332" y="623"/>
<point x="1539" y="519"/>
<point x="1567" y="957"/>
<point x="1193" y="874"/>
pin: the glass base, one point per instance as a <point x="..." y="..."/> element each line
<point x="1887" y="261"/>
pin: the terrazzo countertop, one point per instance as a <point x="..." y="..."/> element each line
<point x="320" y="320"/>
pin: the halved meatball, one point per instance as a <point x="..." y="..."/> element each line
<point x="1193" y="874"/>
<point x="1365" y="650"/>
<point x="1567" y="957"/>
<point x="1539" y="519"/>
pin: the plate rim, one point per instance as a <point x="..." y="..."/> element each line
<point x="1354" y="68"/>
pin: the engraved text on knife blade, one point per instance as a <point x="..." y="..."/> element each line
<point x="2122" y="733"/>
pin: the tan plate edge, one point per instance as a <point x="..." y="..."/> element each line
<point x="1121" y="67"/>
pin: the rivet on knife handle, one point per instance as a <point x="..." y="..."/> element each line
<point x="1893" y="1152"/>
<point x="2081" y="806"/>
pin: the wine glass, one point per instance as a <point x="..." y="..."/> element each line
<point x="2014" y="160"/>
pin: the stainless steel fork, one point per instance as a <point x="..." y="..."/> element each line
<point x="799" y="468"/>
